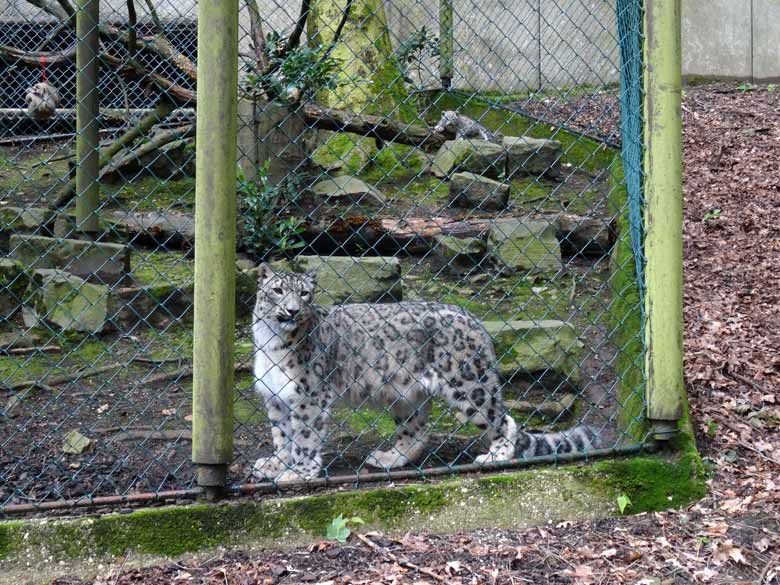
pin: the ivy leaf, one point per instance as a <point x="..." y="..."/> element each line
<point x="623" y="502"/>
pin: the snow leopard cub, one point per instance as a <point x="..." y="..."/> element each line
<point x="396" y="356"/>
<point x="462" y="126"/>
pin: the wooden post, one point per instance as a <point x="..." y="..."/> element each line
<point x="663" y="216"/>
<point x="215" y="243"/>
<point x="87" y="112"/>
<point x="446" y="41"/>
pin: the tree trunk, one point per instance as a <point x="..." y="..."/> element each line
<point x="369" y="80"/>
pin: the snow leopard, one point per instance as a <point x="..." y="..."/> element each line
<point x="452" y="122"/>
<point x="395" y="356"/>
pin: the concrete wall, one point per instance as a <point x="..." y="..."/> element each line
<point x="520" y="45"/>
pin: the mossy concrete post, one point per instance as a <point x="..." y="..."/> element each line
<point x="446" y="42"/>
<point x="87" y="111"/>
<point x="215" y="242"/>
<point x="663" y="215"/>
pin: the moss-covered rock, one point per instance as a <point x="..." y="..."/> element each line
<point x="67" y="302"/>
<point x="346" y="189"/>
<point x="101" y="261"/>
<point x="14" y="220"/>
<point x="476" y="156"/>
<point x="477" y="192"/>
<point x="532" y="156"/>
<point x="460" y="255"/>
<point x="525" y="245"/>
<point x="350" y="279"/>
<point x="537" y="348"/>
<point x="13" y="283"/>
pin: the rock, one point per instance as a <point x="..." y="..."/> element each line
<point x="476" y="156"/>
<point x="536" y="348"/>
<point x="19" y="340"/>
<point x="477" y="192"/>
<point x="14" y="220"/>
<point x="348" y="189"/>
<point x="13" y="283"/>
<point x="532" y="156"/>
<point x="584" y="236"/>
<point x="75" y="443"/>
<point x="56" y="298"/>
<point x="525" y="245"/>
<point x="99" y="261"/>
<point x="151" y="305"/>
<point x="160" y="230"/>
<point x="460" y="255"/>
<point x="341" y="279"/>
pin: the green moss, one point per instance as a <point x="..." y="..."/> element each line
<point x="625" y="317"/>
<point x="8" y="532"/>
<point x="153" y="194"/>
<point x="394" y="163"/>
<point x="554" y="196"/>
<point x="579" y="151"/>
<point x="162" y="268"/>
<point x="654" y="483"/>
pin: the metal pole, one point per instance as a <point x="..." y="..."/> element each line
<point x="445" y="43"/>
<point x="663" y="216"/>
<point x="87" y="112"/>
<point x="215" y="243"/>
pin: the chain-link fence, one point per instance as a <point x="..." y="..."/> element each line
<point x="437" y="264"/>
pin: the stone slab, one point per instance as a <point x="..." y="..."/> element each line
<point x="525" y="245"/>
<point x="473" y="191"/>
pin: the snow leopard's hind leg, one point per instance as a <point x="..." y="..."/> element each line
<point x="411" y="435"/>
<point x="478" y="400"/>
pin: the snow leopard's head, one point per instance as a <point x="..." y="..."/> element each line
<point x="284" y="299"/>
<point x="448" y="124"/>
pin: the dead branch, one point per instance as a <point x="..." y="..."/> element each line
<point x="294" y="40"/>
<point x="258" y="37"/>
<point x="162" y="110"/>
<point x="339" y="29"/>
<point x="155" y="18"/>
<point x="379" y="127"/>
<point x="157" y="141"/>
<point x="29" y="350"/>
<point x="33" y="58"/>
<point x="132" y="21"/>
<point x="404" y="563"/>
<point x="79" y="374"/>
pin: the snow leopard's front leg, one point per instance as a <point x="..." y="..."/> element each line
<point x="309" y="427"/>
<point x="279" y="416"/>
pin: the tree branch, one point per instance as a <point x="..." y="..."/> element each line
<point x="258" y="36"/>
<point x="295" y="38"/>
<point x="132" y="20"/>
<point x="339" y="28"/>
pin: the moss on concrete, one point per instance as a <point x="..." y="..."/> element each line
<point x="153" y="194"/>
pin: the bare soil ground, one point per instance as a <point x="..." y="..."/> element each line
<point x="732" y="343"/>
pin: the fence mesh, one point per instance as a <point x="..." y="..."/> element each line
<point x="437" y="247"/>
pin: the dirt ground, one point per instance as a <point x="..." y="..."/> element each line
<point x="732" y="344"/>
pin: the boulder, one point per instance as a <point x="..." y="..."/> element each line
<point x="13" y="283"/>
<point x="348" y="190"/>
<point x="68" y="302"/>
<point x="476" y="156"/>
<point x="151" y="305"/>
<point x="14" y="220"/>
<point x="525" y="245"/>
<point x="460" y="255"/>
<point x="532" y="156"/>
<point x="341" y="279"/>
<point x="477" y="192"/>
<point x="536" y="349"/>
<point x="99" y="261"/>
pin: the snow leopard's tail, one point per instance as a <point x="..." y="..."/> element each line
<point x="575" y="440"/>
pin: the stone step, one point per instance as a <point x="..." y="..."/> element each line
<point x="66" y="302"/>
<point x="513" y="157"/>
<point x="534" y="349"/>
<point x="525" y="245"/>
<point x="99" y="261"/>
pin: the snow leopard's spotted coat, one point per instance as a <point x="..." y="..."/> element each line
<point x="461" y="126"/>
<point x="396" y="356"/>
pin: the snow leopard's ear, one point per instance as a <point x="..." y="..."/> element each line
<point x="311" y="278"/>
<point x="264" y="272"/>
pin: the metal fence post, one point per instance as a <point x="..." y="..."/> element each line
<point x="87" y="111"/>
<point x="663" y="219"/>
<point x="445" y="43"/>
<point x="215" y="242"/>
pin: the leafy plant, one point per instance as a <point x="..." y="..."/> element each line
<point x="623" y="502"/>
<point x="261" y="202"/>
<point x="412" y="52"/>
<point x="713" y="214"/>
<point x="295" y="76"/>
<point x="339" y="527"/>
